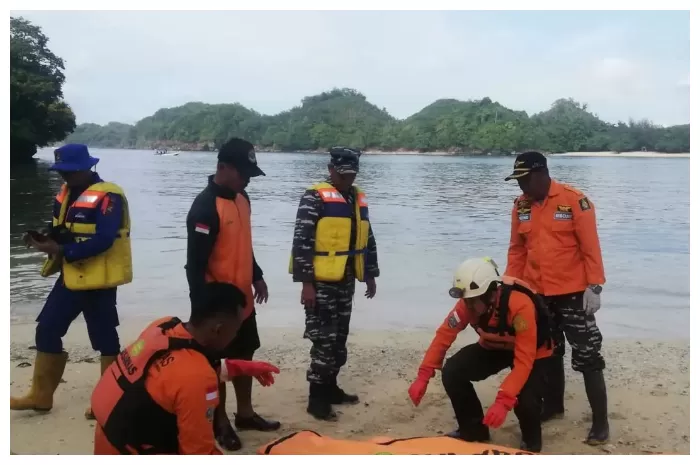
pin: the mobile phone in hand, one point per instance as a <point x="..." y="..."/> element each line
<point x="36" y="235"/>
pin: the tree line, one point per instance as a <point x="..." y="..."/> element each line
<point x="345" y="117"/>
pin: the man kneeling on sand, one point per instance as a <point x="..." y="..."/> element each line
<point x="159" y="397"/>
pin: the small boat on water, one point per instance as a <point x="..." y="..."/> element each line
<point x="165" y="153"/>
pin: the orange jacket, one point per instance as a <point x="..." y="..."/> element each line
<point x="521" y="320"/>
<point x="182" y="384"/>
<point x="554" y="245"/>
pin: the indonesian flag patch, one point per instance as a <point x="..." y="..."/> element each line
<point x="201" y="228"/>
<point x="212" y="393"/>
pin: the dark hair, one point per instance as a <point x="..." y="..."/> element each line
<point x="215" y="299"/>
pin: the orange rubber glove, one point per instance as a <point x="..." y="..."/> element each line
<point x="262" y="371"/>
<point x="497" y="413"/>
<point x="417" y="389"/>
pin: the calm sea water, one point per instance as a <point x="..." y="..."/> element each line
<point x="428" y="213"/>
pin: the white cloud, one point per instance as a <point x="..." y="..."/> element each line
<point x="615" y="70"/>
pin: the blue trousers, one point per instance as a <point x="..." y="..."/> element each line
<point x="99" y="308"/>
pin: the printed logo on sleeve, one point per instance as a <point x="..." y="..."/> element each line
<point x="201" y="228"/>
<point x="453" y="321"/>
<point x="584" y="204"/>
<point x="519" y="324"/>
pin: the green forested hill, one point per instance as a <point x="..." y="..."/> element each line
<point x="345" y="117"/>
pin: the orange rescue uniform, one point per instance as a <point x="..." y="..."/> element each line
<point x="521" y="337"/>
<point x="170" y="407"/>
<point x="554" y="244"/>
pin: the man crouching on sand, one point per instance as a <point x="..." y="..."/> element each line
<point x="513" y="332"/>
<point x="159" y="397"/>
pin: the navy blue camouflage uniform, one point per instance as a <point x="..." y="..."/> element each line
<point x="328" y="323"/>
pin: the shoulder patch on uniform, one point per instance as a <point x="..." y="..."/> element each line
<point x="584" y="204"/>
<point x="519" y="324"/>
<point x="212" y="393"/>
<point x="201" y="228"/>
<point x="453" y="320"/>
<point x="210" y="414"/>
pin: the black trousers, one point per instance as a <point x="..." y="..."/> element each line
<point x="474" y="363"/>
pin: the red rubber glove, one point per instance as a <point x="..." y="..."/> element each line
<point x="417" y="389"/>
<point x="497" y="413"/>
<point x="262" y="371"/>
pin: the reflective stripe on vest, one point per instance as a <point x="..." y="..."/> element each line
<point x="334" y="231"/>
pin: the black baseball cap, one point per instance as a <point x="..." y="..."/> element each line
<point x="526" y="163"/>
<point x="345" y="160"/>
<point x="240" y="154"/>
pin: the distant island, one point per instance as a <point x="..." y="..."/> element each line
<point x="345" y="117"/>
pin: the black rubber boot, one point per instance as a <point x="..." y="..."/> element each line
<point x="477" y="433"/>
<point x="531" y="440"/>
<point x="338" y="396"/>
<point x="598" y="398"/>
<point x="320" y="402"/>
<point x="553" y="392"/>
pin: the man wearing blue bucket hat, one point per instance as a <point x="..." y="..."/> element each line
<point x="88" y="244"/>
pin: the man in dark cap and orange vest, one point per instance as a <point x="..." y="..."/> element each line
<point x="554" y="246"/>
<point x="513" y="328"/>
<point x="220" y="248"/>
<point x="88" y="244"/>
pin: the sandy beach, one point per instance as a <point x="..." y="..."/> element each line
<point x="648" y="388"/>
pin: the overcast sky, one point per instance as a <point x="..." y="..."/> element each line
<point x="123" y="66"/>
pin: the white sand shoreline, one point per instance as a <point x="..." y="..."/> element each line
<point x="622" y="154"/>
<point x="442" y="153"/>
<point x="648" y="386"/>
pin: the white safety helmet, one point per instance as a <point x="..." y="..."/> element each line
<point x="473" y="278"/>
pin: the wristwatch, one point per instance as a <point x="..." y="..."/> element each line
<point x="596" y="288"/>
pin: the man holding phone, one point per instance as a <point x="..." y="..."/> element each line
<point x="89" y="245"/>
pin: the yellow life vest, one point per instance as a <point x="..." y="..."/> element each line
<point x="109" y="269"/>
<point x="333" y="231"/>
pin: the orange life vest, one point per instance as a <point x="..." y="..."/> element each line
<point x="231" y="260"/>
<point x="493" y="328"/>
<point x="131" y="420"/>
